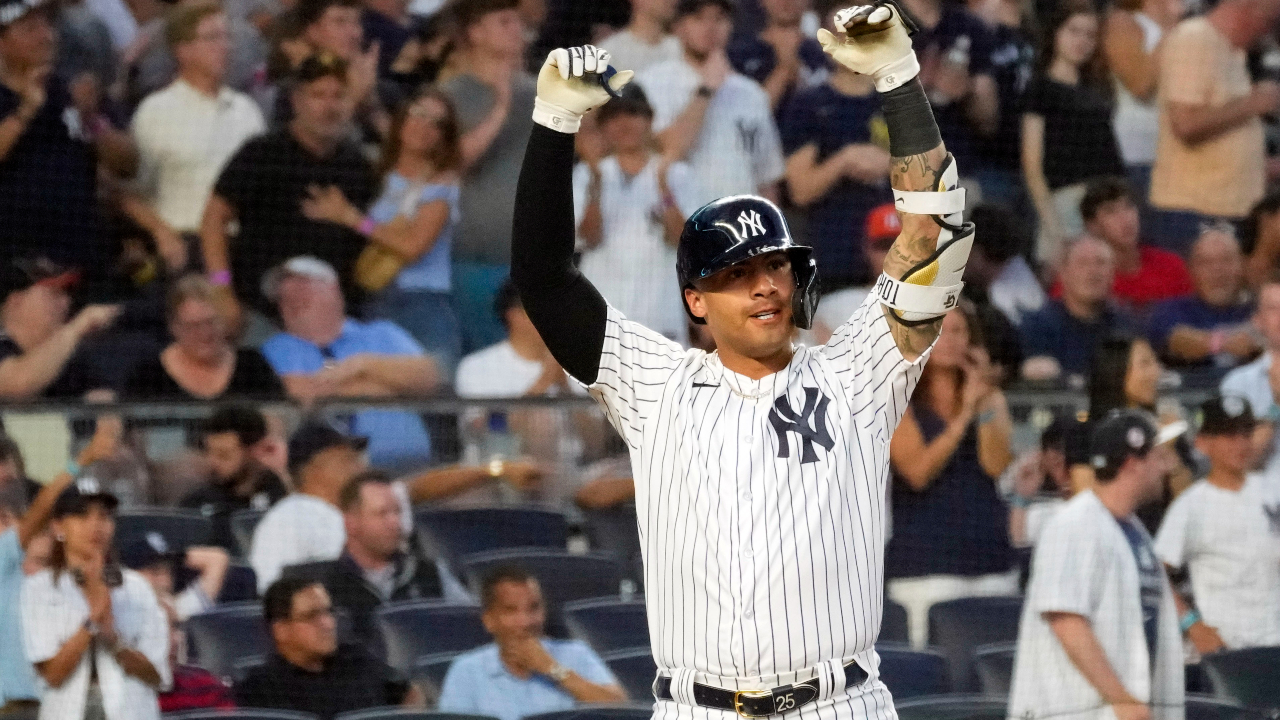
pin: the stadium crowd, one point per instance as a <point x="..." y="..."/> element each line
<point x="300" y="212"/>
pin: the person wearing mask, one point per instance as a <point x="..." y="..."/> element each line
<point x="950" y="527"/>
<point x="522" y="672"/>
<point x="780" y="56"/>
<point x="645" y="40"/>
<point x="1066" y="125"/>
<point x="95" y="633"/>
<point x="1259" y="381"/>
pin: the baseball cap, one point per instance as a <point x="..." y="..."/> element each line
<point x="79" y="495"/>
<point x="1226" y="415"/>
<point x="146" y="551"/>
<point x="692" y="7"/>
<point x="301" y="266"/>
<point x="19" y="273"/>
<point x="14" y="10"/>
<point x="883" y="225"/>
<point x="1125" y="434"/>
<point x="315" y="437"/>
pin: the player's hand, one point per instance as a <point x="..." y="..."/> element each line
<point x="568" y="87"/>
<point x="1131" y="711"/>
<point x="1205" y="638"/>
<point x="872" y="40"/>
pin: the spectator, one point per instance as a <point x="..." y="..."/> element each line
<point x="1219" y="531"/>
<point x="522" y="672"/>
<point x="1042" y="484"/>
<point x="1059" y="339"/>
<point x="780" y="56"/>
<point x="493" y="95"/>
<point x="308" y="669"/>
<point x="200" y="364"/>
<point x="1257" y="382"/>
<point x="266" y="183"/>
<point x="1211" y="155"/>
<point x="710" y="116"/>
<point x="630" y="208"/>
<point x="38" y="346"/>
<point x="838" y="171"/>
<point x="188" y="131"/>
<point x="1260" y="236"/>
<point x="323" y="353"/>
<point x="193" y="688"/>
<point x="520" y="366"/>
<point x="84" y="616"/>
<point x="645" y="40"/>
<point x="950" y="528"/>
<point x="1099" y="629"/>
<point x="235" y="443"/>
<point x="998" y="267"/>
<point x="1012" y="62"/>
<point x="151" y="557"/>
<point x="389" y="27"/>
<point x="374" y="567"/>
<point x="411" y="226"/>
<point x="52" y="139"/>
<point x="882" y="228"/>
<point x="1066" y="125"/>
<point x="1130" y="41"/>
<point x="1211" y="327"/>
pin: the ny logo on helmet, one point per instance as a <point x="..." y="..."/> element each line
<point x="750" y="220"/>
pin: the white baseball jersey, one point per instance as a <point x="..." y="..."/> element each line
<point x="1230" y="543"/>
<point x="762" y="506"/>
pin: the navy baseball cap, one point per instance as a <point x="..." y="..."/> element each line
<point x="315" y="437"/>
<point x="1125" y="434"/>
<point x="146" y="551"/>
<point x="1226" y="415"/>
<point x="79" y="495"/>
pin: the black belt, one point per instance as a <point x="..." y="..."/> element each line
<point x="759" y="703"/>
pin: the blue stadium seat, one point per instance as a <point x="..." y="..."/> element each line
<point x="994" y="663"/>
<point x="417" y="629"/>
<point x="467" y="531"/>
<point x="564" y="577"/>
<point x="227" y="634"/>
<point x="957" y="627"/>
<point x="1249" y="677"/>
<point x="637" y="711"/>
<point x="243" y="523"/>
<point x="399" y="713"/>
<point x="1206" y="707"/>
<point x="893" y="626"/>
<point x="951" y="707"/>
<point x="635" y="670"/>
<point x="608" y="624"/>
<point x="240" y="714"/>
<point x="240" y="584"/>
<point x="433" y="668"/>
<point x="180" y="528"/>
<point x="614" y="531"/>
<point x="912" y="673"/>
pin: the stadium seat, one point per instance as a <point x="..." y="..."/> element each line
<point x="399" y="713"/>
<point x="608" y="624"/>
<point x="1206" y="707"/>
<point x="467" y="531"/>
<point x="433" y="668"/>
<point x="635" y="670"/>
<point x="957" y="627"/>
<point x="564" y="576"/>
<point x="240" y="714"/>
<point x="179" y="528"/>
<point x="994" y="663"/>
<point x="951" y="707"/>
<point x="893" y="626"/>
<point x="243" y="523"/>
<point x="226" y="634"/>
<point x="613" y="531"/>
<point x="418" y="629"/>
<point x="1249" y="677"/>
<point x="912" y="673"/>
<point x="637" y="711"/>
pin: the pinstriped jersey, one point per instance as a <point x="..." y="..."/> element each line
<point x="762" y="503"/>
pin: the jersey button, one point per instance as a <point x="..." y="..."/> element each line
<point x="748" y="439"/>
<point x="748" y="614"/>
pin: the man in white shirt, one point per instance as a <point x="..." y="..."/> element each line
<point x="708" y="115"/>
<point x="187" y="131"/>
<point x="1258" y="383"/>
<point x="645" y="40"/>
<point x="520" y="366"/>
<point x="1224" y="531"/>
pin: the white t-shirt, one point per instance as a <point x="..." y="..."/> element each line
<point x="496" y="371"/>
<point x="184" y="139"/>
<point x="1252" y="382"/>
<point x="1230" y="543"/>
<point x="633" y="267"/>
<point x="630" y="52"/>
<point x="298" y="529"/>
<point x="1137" y="122"/>
<point x="1016" y="292"/>
<point x="738" y="149"/>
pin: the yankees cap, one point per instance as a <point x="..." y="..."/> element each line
<point x="1226" y="415"/>
<point x="79" y="495"/>
<point x="147" y="551"/>
<point x="1125" y="434"/>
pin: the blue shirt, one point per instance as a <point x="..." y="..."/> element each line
<point x="1054" y="332"/>
<point x="1193" y="312"/>
<point x="397" y="438"/>
<point x="757" y="59"/>
<point x="1150" y="580"/>
<point x="478" y="682"/>
<point x="17" y="677"/>
<point x="400" y="197"/>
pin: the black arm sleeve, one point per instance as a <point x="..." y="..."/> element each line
<point x="566" y="309"/>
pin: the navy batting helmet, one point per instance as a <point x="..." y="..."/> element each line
<point x="737" y="228"/>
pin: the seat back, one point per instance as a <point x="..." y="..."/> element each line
<point x="893" y="626"/>
<point x="227" y="634"/>
<point x="637" y="711"/>
<point x="952" y="707"/>
<point x="564" y="577"/>
<point x="635" y="670"/>
<point x="416" y="628"/>
<point x="243" y="523"/>
<point x="1206" y="707"/>
<point x="240" y="714"/>
<point x="912" y="673"/>
<point x="614" y="532"/>
<point x="467" y="531"/>
<point x="179" y="528"/>
<point x="608" y="624"/>
<point x="399" y="713"/>
<point x="1248" y="677"/>
<point x="957" y="627"/>
<point x="994" y="664"/>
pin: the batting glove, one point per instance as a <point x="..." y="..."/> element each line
<point x="873" y="40"/>
<point x="569" y="86"/>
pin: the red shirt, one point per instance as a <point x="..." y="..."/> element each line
<point x="1160" y="275"/>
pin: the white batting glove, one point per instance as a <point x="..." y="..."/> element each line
<point x="873" y="40"/>
<point x="569" y="87"/>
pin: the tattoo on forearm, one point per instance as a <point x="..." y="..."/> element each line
<point x="916" y="242"/>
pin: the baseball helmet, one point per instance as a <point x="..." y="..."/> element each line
<point x="737" y="228"/>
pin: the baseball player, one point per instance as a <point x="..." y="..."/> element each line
<point x="1099" y="631"/>
<point x="760" y="469"/>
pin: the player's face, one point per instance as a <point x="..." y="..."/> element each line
<point x="516" y="613"/>
<point x="748" y="306"/>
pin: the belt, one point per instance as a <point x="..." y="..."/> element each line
<point x="758" y="703"/>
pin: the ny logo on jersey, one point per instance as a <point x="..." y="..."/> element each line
<point x="750" y="220"/>
<point x="810" y="425"/>
<point x="1273" y="517"/>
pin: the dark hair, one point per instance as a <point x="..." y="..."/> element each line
<point x="469" y="12"/>
<point x="277" y="601"/>
<point x="248" y="423"/>
<point x="182" y="21"/>
<point x="1108" y="373"/>
<point x="447" y="155"/>
<point x="1002" y="235"/>
<point x="320" y="65"/>
<point x="1251" y="225"/>
<point x="631" y="101"/>
<point x="309" y="12"/>
<point x="507" y="297"/>
<point x="1095" y="72"/>
<point x="349" y="496"/>
<point x="1101" y="191"/>
<point x="497" y="576"/>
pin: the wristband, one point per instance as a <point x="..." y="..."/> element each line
<point x="1191" y="617"/>
<point x="555" y="117"/>
<point x="221" y="278"/>
<point x="73" y="468"/>
<point x="1019" y="502"/>
<point x="986" y="417"/>
<point x="366" y="226"/>
<point x="559" y="673"/>
<point x="912" y="128"/>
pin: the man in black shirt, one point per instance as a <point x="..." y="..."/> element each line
<point x="309" y="670"/>
<point x="233" y="438"/>
<point x="266" y="182"/>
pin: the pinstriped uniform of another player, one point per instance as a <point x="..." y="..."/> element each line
<point x="762" y="468"/>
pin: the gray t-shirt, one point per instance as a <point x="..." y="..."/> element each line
<point x="489" y="187"/>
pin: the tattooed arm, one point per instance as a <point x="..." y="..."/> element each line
<point x="916" y="242"/>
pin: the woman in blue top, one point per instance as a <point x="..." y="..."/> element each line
<point x="411" y="225"/>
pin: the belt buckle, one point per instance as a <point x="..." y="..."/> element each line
<point x="752" y="694"/>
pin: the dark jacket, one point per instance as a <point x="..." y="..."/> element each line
<point x="352" y="679"/>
